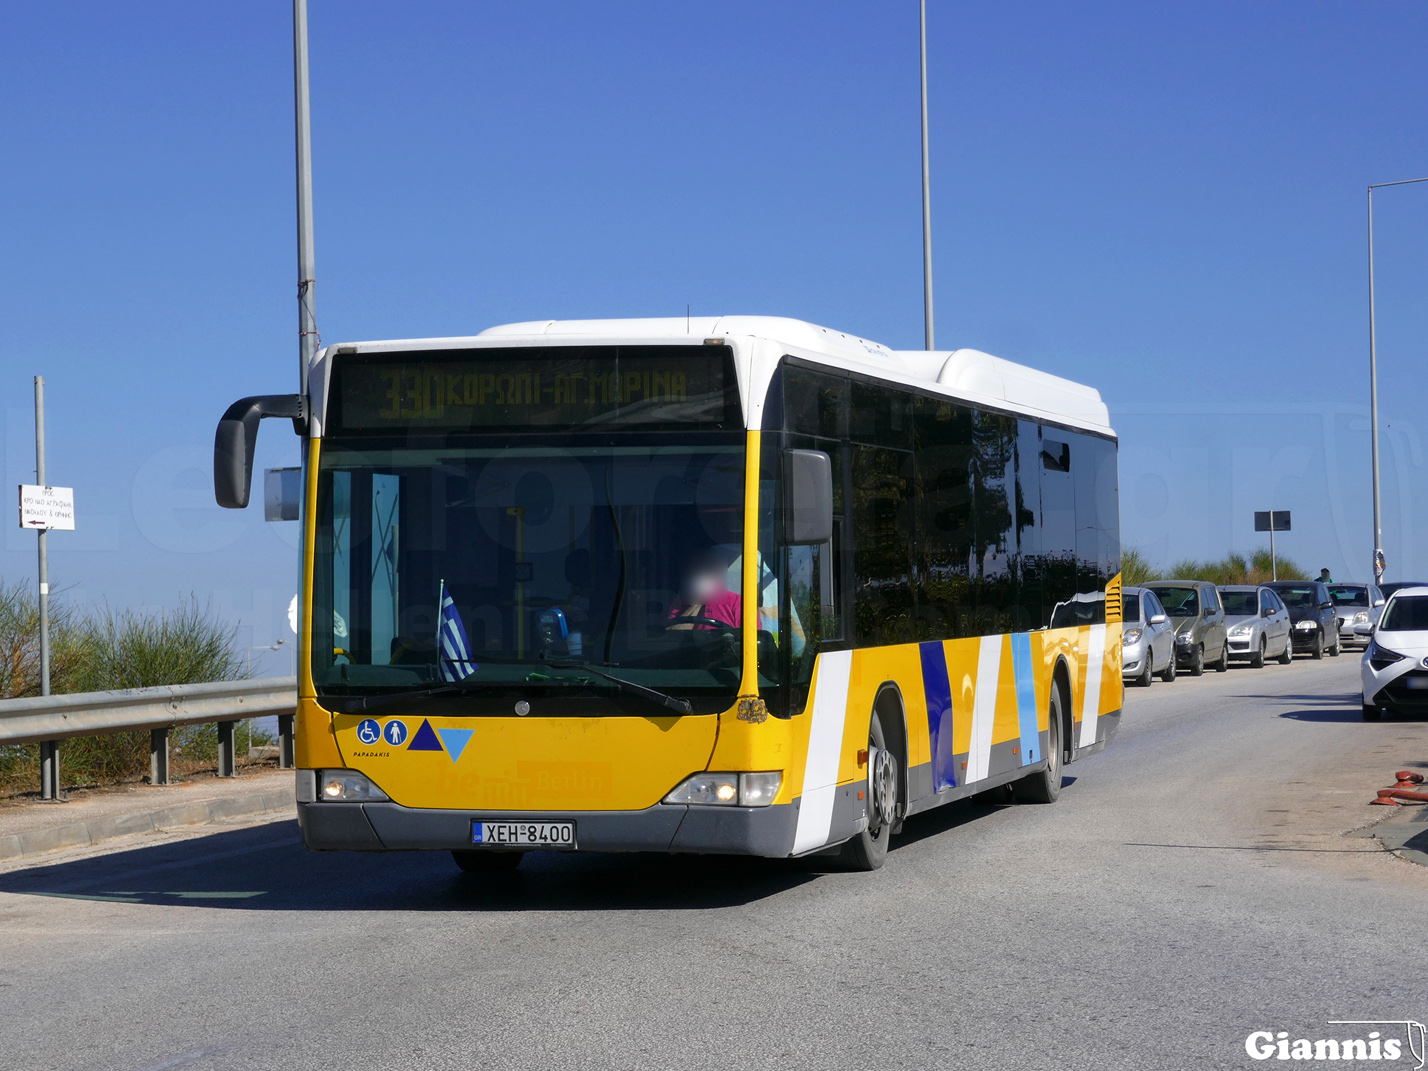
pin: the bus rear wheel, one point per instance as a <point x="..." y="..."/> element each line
<point x="868" y="850"/>
<point x="1044" y="786"/>
<point x="482" y="861"/>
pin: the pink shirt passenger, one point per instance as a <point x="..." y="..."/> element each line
<point x="725" y="606"/>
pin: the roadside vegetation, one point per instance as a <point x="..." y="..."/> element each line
<point x="1231" y="569"/>
<point x="108" y="649"/>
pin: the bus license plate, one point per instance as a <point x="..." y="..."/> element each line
<point x="523" y="834"/>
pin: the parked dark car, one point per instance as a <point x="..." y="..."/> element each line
<point x="1393" y="585"/>
<point x="1314" y="626"/>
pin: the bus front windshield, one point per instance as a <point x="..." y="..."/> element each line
<point x="521" y="565"/>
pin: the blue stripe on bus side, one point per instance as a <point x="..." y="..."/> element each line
<point x="1025" y="697"/>
<point x="937" y="691"/>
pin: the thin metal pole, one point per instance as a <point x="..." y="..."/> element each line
<point x="307" y="281"/>
<point x="49" y="749"/>
<point x="926" y="193"/>
<point x="1273" y="559"/>
<point x="1373" y="403"/>
<point x="1373" y="384"/>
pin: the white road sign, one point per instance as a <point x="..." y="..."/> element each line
<point x="47" y="507"/>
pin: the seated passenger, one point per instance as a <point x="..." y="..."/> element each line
<point x="705" y="593"/>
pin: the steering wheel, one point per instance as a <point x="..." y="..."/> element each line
<point x="675" y="622"/>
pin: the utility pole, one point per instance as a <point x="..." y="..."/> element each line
<point x="49" y="749"/>
<point x="926" y="195"/>
<point x="1378" y="559"/>
<point x="307" y="282"/>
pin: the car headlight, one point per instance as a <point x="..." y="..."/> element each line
<point x="1183" y="637"/>
<point x="348" y="786"/>
<point x="1306" y="624"/>
<point x="1361" y="618"/>
<point x="728" y="789"/>
<point x="1130" y="636"/>
<point x="1381" y="657"/>
<point x="1240" y="630"/>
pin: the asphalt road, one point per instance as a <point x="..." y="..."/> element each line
<point x="1191" y="886"/>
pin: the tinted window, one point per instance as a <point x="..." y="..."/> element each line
<point x="1348" y="595"/>
<point x="1406" y="613"/>
<point x="1240" y="603"/>
<point x="1299" y="595"/>
<point x="1180" y="602"/>
<point x="944" y="516"/>
<point x="882" y="518"/>
<point x="1130" y="608"/>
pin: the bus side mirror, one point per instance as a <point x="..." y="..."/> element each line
<point x="237" y="435"/>
<point x="808" y="497"/>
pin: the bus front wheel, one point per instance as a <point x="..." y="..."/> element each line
<point x="484" y="861"/>
<point x="868" y="850"/>
<point x="1044" y="786"/>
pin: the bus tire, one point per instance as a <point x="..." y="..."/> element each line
<point x="1044" y="786"/>
<point x="868" y="849"/>
<point x="482" y="861"/>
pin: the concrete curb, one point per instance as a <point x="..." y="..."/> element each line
<point x="110" y="827"/>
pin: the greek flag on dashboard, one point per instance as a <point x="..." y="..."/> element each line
<point x="456" y="663"/>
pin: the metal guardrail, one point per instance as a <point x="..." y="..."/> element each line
<point x="160" y="710"/>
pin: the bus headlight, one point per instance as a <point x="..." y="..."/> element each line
<point x="348" y="786"/>
<point x="728" y="789"/>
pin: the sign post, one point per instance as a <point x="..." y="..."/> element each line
<point x="1272" y="521"/>
<point x="41" y="508"/>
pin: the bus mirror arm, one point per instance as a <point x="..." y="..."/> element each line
<point x="236" y="437"/>
<point x="808" y="497"/>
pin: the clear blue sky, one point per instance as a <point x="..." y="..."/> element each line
<point x="1163" y="200"/>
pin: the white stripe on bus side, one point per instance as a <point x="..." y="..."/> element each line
<point x="1091" y="697"/>
<point x="984" y="707"/>
<point x="825" y="741"/>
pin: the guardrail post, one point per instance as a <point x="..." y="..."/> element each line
<point x="227" y="758"/>
<point x="49" y="770"/>
<point x="287" y="749"/>
<point x="159" y="757"/>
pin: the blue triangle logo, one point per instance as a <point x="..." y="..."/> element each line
<point x="424" y="739"/>
<point x="455" y="741"/>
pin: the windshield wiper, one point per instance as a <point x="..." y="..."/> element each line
<point x="669" y="702"/>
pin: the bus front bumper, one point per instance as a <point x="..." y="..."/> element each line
<point x="374" y="827"/>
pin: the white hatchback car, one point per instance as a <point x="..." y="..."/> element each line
<point x="1395" y="666"/>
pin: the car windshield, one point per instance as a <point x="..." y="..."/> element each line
<point x="541" y="551"/>
<point x="1398" y="585"/>
<point x="1180" y="602"/>
<point x="1406" y="613"/>
<point x="1241" y="603"/>
<point x="1304" y="597"/>
<point x="1130" y="607"/>
<point x="1349" y="595"/>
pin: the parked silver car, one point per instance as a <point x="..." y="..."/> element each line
<point x="1199" y="620"/>
<point x="1147" y="638"/>
<point x="1356" y="604"/>
<point x="1258" y="624"/>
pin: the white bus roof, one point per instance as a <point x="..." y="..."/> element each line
<point x="965" y="374"/>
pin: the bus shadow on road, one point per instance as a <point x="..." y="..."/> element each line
<point x="266" y="868"/>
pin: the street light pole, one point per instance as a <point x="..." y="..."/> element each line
<point x="307" y="282"/>
<point x="1373" y="386"/>
<point x="926" y="195"/>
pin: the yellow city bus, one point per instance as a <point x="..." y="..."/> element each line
<point x="740" y="585"/>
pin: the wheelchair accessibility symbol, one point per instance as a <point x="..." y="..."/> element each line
<point x="395" y="733"/>
<point x="369" y="732"/>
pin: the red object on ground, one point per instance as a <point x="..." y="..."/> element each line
<point x="1408" y="775"/>
<point x="1402" y="794"/>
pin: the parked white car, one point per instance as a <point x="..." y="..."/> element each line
<point x="1147" y="638"/>
<point x="1258" y="624"/>
<point x="1395" y="666"/>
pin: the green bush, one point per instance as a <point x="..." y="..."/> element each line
<point x="106" y="650"/>
<point x="1233" y="569"/>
